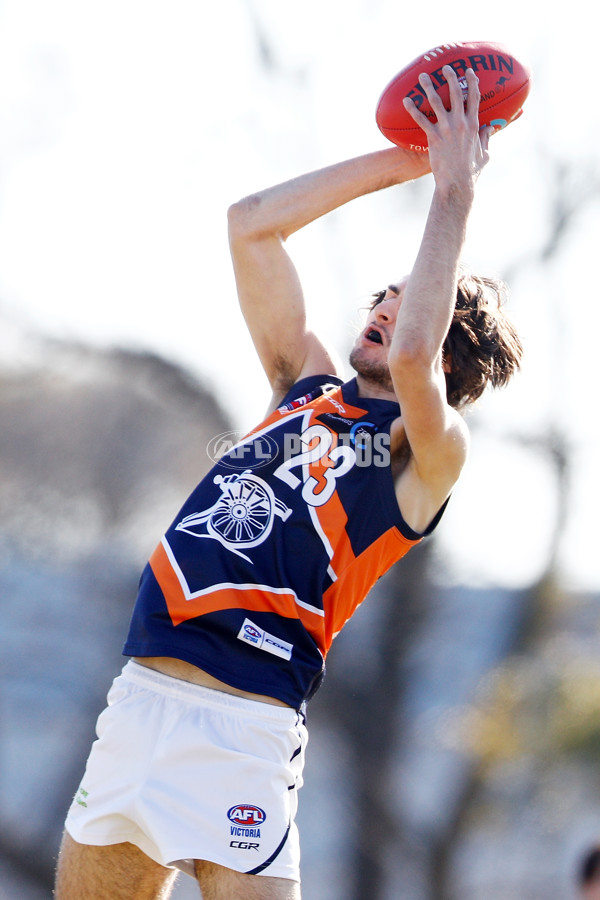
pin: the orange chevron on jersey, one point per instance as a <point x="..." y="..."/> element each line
<point x="184" y="604"/>
<point x="332" y="521"/>
<point x="341" y="600"/>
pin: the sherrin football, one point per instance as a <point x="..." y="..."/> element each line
<point x="504" y="84"/>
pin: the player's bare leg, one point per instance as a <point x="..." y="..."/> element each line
<point x="219" y="883"/>
<point x="118" y="872"/>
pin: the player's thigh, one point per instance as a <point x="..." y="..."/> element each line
<point x="119" y="871"/>
<point x="219" y="883"/>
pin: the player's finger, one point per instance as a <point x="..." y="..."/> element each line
<point x="485" y="133"/>
<point x="456" y="92"/>
<point x="432" y="95"/>
<point x="415" y="113"/>
<point x="473" y="94"/>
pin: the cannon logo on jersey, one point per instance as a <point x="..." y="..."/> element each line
<point x="243" y="515"/>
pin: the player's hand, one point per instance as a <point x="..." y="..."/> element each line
<point x="458" y="148"/>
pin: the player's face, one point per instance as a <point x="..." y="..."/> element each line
<point x="369" y="354"/>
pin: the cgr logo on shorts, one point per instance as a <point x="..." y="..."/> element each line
<point x="244" y="845"/>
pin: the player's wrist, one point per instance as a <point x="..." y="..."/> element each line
<point x="412" y="164"/>
<point x="457" y="193"/>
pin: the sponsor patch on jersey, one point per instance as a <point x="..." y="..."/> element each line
<point x="308" y="398"/>
<point x="350" y="430"/>
<point x="262" y="640"/>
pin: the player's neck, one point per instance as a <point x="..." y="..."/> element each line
<point x="374" y="390"/>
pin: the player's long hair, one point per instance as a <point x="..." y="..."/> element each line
<point x="482" y="346"/>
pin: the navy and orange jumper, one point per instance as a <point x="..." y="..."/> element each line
<point x="278" y="545"/>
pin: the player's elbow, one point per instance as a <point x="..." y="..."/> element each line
<point x="412" y="357"/>
<point x="239" y="218"/>
<point x="246" y="221"/>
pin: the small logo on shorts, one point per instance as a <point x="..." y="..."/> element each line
<point x="244" y="845"/>
<point x="246" y="815"/>
<point x="81" y="797"/>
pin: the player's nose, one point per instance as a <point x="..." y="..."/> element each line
<point x="386" y="310"/>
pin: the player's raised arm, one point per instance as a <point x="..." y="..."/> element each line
<point x="268" y="286"/>
<point x="435" y="431"/>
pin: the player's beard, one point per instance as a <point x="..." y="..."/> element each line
<point x="373" y="371"/>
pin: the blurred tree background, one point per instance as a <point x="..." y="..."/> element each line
<point x="455" y="744"/>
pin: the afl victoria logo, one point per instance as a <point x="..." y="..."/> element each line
<point x="245" y="814"/>
<point x="252" y="633"/>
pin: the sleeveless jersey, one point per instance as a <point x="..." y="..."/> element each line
<point x="277" y="546"/>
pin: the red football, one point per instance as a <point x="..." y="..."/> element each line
<point x="504" y="84"/>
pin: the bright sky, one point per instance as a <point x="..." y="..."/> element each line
<point x="128" y="127"/>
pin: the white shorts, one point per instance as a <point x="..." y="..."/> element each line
<point x="185" y="772"/>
